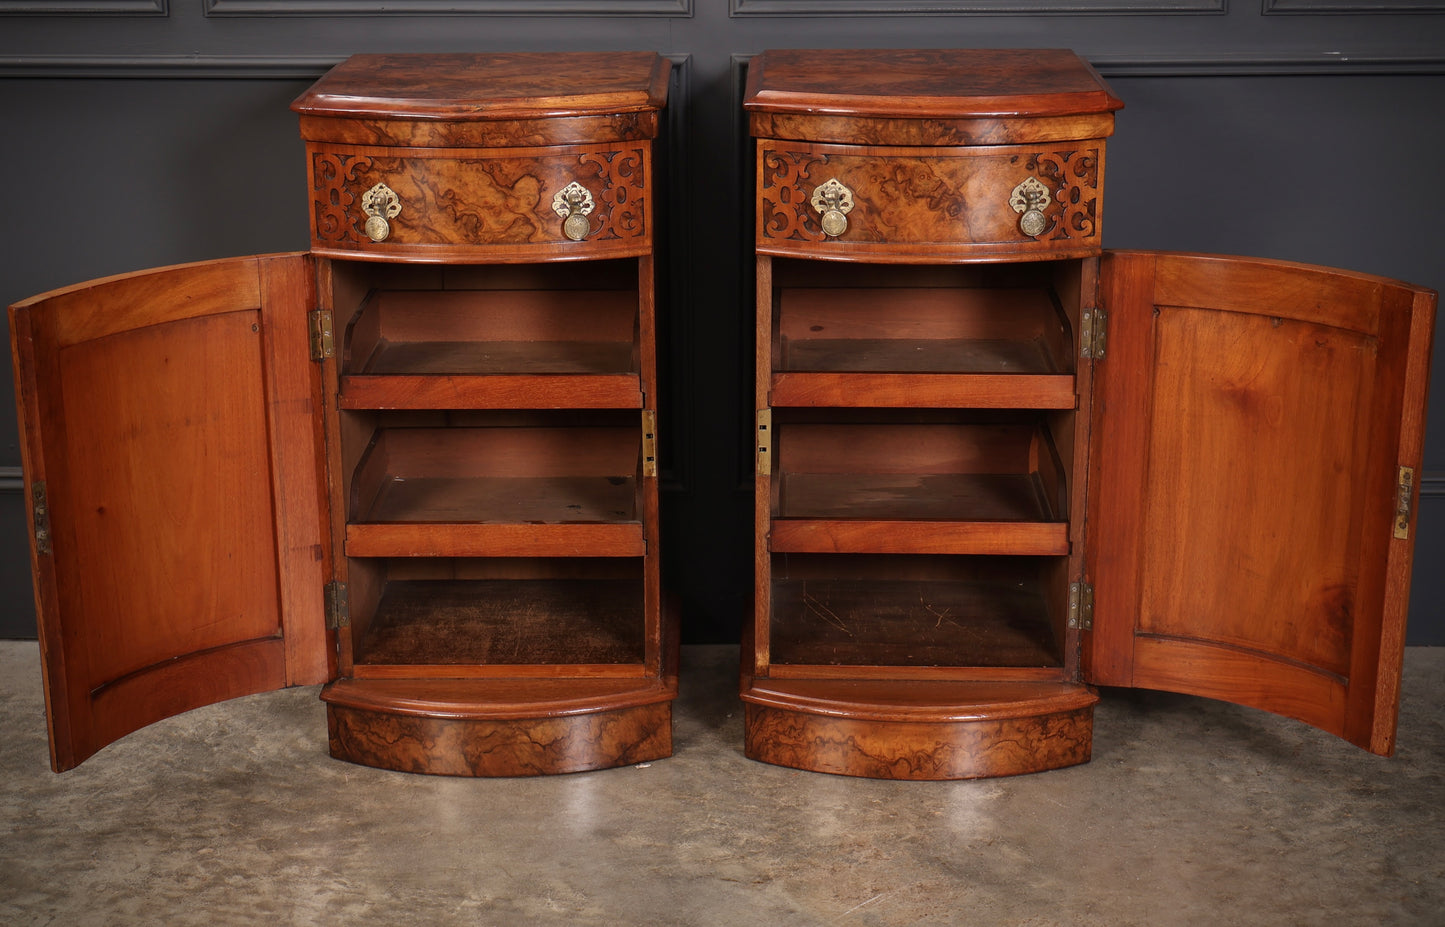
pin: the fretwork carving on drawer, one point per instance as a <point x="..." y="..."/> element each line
<point x="942" y="201"/>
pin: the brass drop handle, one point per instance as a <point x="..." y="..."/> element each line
<point x="1030" y="199"/>
<point x="381" y="204"/>
<point x="574" y="204"/>
<point x="834" y="201"/>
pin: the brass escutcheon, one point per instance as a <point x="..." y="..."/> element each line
<point x="380" y="204"/>
<point x="574" y="204"/>
<point x="834" y="201"/>
<point x="1030" y="199"/>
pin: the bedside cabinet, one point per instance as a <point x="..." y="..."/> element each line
<point x="417" y="464"/>
<point x="998" y="466"/>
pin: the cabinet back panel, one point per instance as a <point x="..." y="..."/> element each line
<point x="517" y="453"/>
<point x="904" y="448"/>
<point x="505" y="315"/>
<point x="920" y="329"/>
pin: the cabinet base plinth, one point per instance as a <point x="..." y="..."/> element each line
<point x="389" y="727"/>
<point x="882" y="729"/>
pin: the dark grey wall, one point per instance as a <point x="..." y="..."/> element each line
<point x="142" y="132"/>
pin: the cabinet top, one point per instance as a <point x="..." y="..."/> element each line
<point x="942" y="83"/>
<point x="476" y="87"/>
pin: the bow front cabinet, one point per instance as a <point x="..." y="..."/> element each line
<point x="998" y="466"/>
<point x="417" y="464"/>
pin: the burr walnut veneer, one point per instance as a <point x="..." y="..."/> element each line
<point x="417" y="463"/>
<point x="997" y="466"/>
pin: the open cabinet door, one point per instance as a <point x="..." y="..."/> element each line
<point x="171" y="460"/>
<point x="1257" y="431"/>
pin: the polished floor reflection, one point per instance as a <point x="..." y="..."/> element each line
<point x="1192" y="812"/>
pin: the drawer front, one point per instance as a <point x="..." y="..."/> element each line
<point x="480" y="204"/>
<point x="930" y="203"/>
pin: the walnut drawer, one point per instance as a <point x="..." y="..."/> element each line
<point x="471" y="204"/>
<point x="930" y="203"/>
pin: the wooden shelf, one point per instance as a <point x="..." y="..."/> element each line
<point x="534" y="348"/>
<point x="521" y="475"/>
<point x="433" y="358"/>
<point x="863" y="335"/>
<point x="918" y="487"/>
<point x="905" y="496"/>
<point x="506" y="623"/>
<point x="499" y="391"/>
<point x="404" y="497"/>
<point x="923" y="390"/>
<point x="976" y="622"/>
<point x="863" y="612"/>
<point x="918" y="537"/>
<point x="438" y="539"/>
<point x="1004" y="330"/>
<point x="497" y="491"/>
<point x="476" y="332"/>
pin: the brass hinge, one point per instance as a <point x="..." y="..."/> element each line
<point x="1081" y="606"/>
<point x="765" y="442"/>
<point x="649" y="442"/>
<point x="1404" y="495"/>
<point x="323" y="339"/>
<point x="338" y="612"/>
<point x="42" y="517"/>
<point x="1091" y="335"/>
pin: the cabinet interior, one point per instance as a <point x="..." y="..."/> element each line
<point x="919" y="319"/>
<point x="494" y="511"/>
<point x="918" y="611"/>
<point x="560" y="335"/>
<point x="922" y="440"/>
<point x="498" y="324"/>
<point x="497" y="613"/>
<point x="920" y="465"/>
<point x="523" y="468"/>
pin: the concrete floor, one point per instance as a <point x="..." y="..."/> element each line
<point x="1192" y="812"/>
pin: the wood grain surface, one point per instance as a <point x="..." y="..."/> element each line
<point x="1250" y="424"/>
<point x="186" y="539"/>
<point x="918" y="730"/>
<point x="929" y="204"/>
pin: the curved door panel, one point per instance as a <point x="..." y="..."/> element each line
<point x="1251" y="419"/>
<point x="172" y="468"/>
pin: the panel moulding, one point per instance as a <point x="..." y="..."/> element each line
<point x="283" y="67"/>
<point x="84" y="8"/>
<point x="600" y="8"/>
<point x="1316" y="7"/>
<point x="182" y="67"/>
<point x="967" y="7"/>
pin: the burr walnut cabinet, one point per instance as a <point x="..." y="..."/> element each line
<point x="416" y="464"/>
<point x="998" y="466"/>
